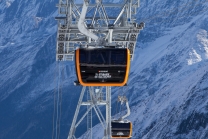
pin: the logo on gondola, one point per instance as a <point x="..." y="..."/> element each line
<point x="102" y="75"/>
<point x="120" y="133"/>
<point x="102" y="71"/>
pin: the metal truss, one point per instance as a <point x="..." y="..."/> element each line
<point x="96" y="100"/>
<point x="95" y="24"/>
<point x="107" y="25"/>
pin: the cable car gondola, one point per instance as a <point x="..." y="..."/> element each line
<point x="121" y="129"/>
<point x="102" y="66"/>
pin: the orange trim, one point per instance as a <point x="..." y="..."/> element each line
<point x="102" y="84"/>
<point x="130" y="135"/>
<point x="121" y="137"/>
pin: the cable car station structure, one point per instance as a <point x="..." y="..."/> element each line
<point x="101" y="38"/>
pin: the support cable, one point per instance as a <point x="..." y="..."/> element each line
<point x="55" y="89"/>
<point x="60" y="100"/>
<point x="57" y="105"/>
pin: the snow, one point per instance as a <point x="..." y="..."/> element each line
<point x="173" y="65"/>
<point x="168" y="82"/>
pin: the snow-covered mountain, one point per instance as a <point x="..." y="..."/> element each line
<point x="168" y="83"/>
<point x="28" y="71"/>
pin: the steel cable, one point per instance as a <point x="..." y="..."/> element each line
<point x="55" y="89"/>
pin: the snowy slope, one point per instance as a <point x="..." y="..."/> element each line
<point x="168" y="83"/>
<point x="28" y="71"/>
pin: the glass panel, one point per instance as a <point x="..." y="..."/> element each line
<point x="103" y="65"/>
<point x="120" y="125"/>
<point x="103" y="56"/>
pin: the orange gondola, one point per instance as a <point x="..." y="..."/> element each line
<point x="102" y="66"/>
